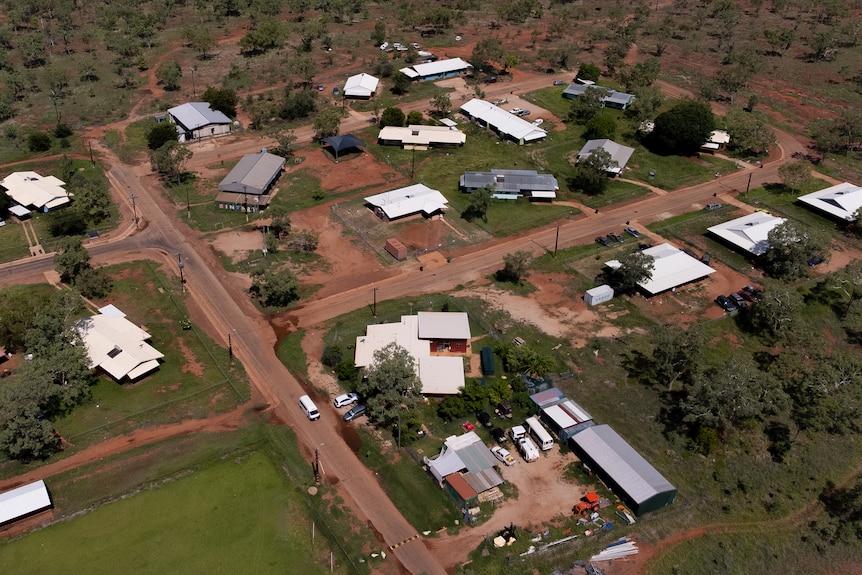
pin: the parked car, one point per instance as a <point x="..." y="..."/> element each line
<point x="484" y="419"/>
<point x="747" y="296"/>
<point x="355" y="411"/>
<point x="615" y="237"/>
<point x="517" y="433"/>
<point x="492" y="79"/>
<point x="500" y="102"/>
<point x="712" y="206"/>
<point x="503" y="455"/>
<point x="384" y="46"/>
<point x="738" y="300"/>
<point x="345" y="400"/>
<point x="705" y="259"/>
<point x="603" y="240"/>
<point x="754" y="291"/>
<point x="815" y="260"/>
<point x="726" y="303"/>
<point x="632" y="232"/>
<point x="559" y="82"/>
<point x="499" y="435"/>
<point x="415" y="46"/>
<point x="516" y="111"/>
<point x="644" y="246"/>
<point x="538" y="122"/>
<point x="320" y="87"/>
<point x="524" y="112"/>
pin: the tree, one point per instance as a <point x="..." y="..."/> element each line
<point x="200" y="39"/>
<point x="390" y="386"/>
<point x="327" y="123"/>
<point x="591" y="172"/>
<point x="274" y="287"/>
<point x="485" y="51"/>
<point x="168" y="74"/>
<point x="635" y="267"/>
<point x="683" y="129"/>
<point x="675" y="356"/>
<point x="588" y="104"/>
<point x="726" y="395"/>
<point x="160" y="134"/>
<point x="303" y="68"/>
<point x="589" y="72"/>
<point x="600" y="126"/>
<point x="392" y="117"/>
<point x="71" y="259"/>
<point x="92" y="199"/>
<point x="170" y="160"/>
<point x="296" y="104"/>
<point x="510" y="61"/>
<point x="415" y="118"/>
<point x="441" y="102"/>
<point x="777" y="316"/>
<point x="794" y="174"/>
<point x="515" y="267"/>
<point x="790" y="247"/>
<point x="267" y="35"/>
<point x="641" y="75"/>
<point x="401" y="84"/>
<point x="39" y="142"/>
<point x="19" y="306"/>
<point x="647" y="103"/>
<point x="480" y="201"/>
<point x="379" y="34"/>
<point x="224" y="100"/>
<point x="749" y="132"/>
<point x="28" y="436"/>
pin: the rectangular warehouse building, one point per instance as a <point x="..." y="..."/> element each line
<point x="631" y="477"/>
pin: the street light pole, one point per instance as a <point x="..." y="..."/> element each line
<point x="245" y="201"/>
<point x="134" y="197"/>
<point x="181" y="265"/>
<point x="188" y="205"/>
<point x="374" y="309"/>
<point x="194" y="88"/>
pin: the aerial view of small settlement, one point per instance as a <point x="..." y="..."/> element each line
<point x="466" y="287"/>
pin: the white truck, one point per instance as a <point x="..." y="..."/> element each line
<point x="528" y="449"/>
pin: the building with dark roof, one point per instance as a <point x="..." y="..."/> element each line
<point x="631" y="477"/>
<point x="614" y="99"/>
<point x="511" y="184"/>
<point x="248" y="184"/>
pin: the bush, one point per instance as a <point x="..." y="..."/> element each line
<point x="39" y="142"/>
<point x="63" y="131"/>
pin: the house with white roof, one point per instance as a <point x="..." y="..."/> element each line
<point x="619" y="154"/>
<point x="404" y="202"/>
<point x="748" y="233"/>
<point x="35" y="192"/>
<point x="503" y="122"/>
<point x="421" y="137"/>
<point x="362" y="86"/>
<point x="672" y="268"/>
<point x="436" y="70"/>
<point x="841" y="201"/>
<point x="117" y="346"/>
<point x="421" y="335"/>
<point x="197" y="120"/>
<point x="24" y="501"/>
<point x="718" y="139"/>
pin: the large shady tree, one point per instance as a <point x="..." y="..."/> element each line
<point x="390" y="387"/>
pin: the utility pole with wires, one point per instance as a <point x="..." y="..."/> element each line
<point x="134" y="197"/>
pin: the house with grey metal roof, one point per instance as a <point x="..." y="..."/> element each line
<point x="631" y="477"/>
<point x="503" y="122"/>
<point x="196" y="120"/>
<point x="619" y="154"/>
<point x="614" y="99"/>
<point x="466" y="455"/>
<point x="247" y="186"/>
<point x="511" y="184"/>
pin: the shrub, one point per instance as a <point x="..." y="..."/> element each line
<point x="39" y="142"/>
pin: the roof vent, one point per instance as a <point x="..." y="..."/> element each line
<point x="115" y="352"/>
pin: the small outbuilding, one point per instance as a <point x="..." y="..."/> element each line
<point x="631" y="477"/>
<point x="599" y="294"/>
<point x="487" y="356"/>
<point x="24" y="501"/>
<point x="396" y="249"/>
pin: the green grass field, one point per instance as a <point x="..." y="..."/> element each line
<point x="222" y="503"/>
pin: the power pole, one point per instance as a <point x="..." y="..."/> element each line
<point x="229" y="350"/>
<point x="92" y="161"/>
<point x="374" y="309"/>
<point x="181" y="265"/>
<point x="134" y="197"/>
<point x="557" y="239"/>
<point x="748" y="186"/>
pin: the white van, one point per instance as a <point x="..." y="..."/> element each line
<point x="309" y="408"/>
<point x="539" y="433"/>
<point x="528" y="450"/>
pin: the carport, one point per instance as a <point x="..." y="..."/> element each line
<point x="341" y="143"/>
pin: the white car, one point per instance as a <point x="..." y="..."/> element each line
<point x="538" y="122"/>
<point x="503" y="455"/>
<point x="384" y="46"/>
<point x="415" y="46"/>
<point x="345" y="400"/>
<point x="515" y="111"/>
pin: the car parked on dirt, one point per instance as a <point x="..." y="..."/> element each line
<point x="355" y="411"/>
<point x="738" y="300"/>
<point x="503" y="455"/>
<point x="499" y="435"/>
<point x="632" y="232"/>
<point x="615" y="237"/>
<point x="559" y="82"/>
<point x="712" y="206"/>
<point x="345" y="400"/>
<point x="755" y="292"/>
<point x="726" y="303"/>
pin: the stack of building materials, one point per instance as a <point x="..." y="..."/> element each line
<point x="622" y="547"/>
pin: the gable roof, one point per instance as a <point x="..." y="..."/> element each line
<point x="619" y="153"/>
<point x="253" y="174"/>
<point x="195" y="115"/>
<point x="410" y="200"/>
<point x="435" y="68"/>
<point x="361" y="85"/>
<point x="443" y="325"/>
<point x="628" y="469"/>
<point x="503" y="121"/>
<point x="32" y="189"/>
<point x="422" y="135"/>
<point x="841" y="201"/>
<point x="511" y="181"/>
<point x="116" y="345"/>
<point x="613" y="96"/>
<point x="748" y="232"/>
<point x="673" y="267"/>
